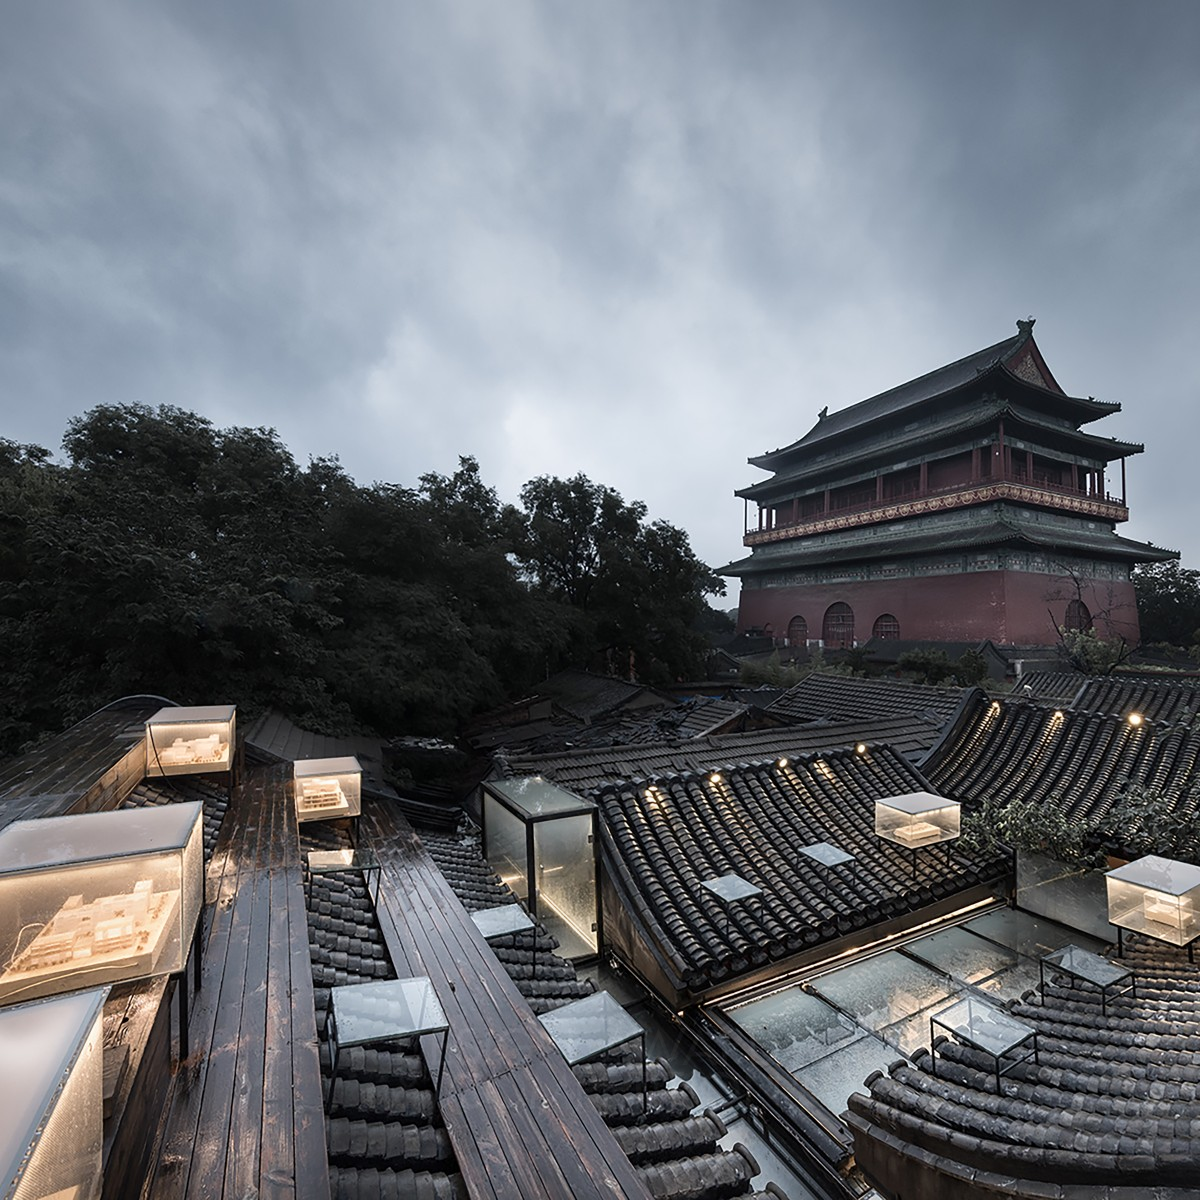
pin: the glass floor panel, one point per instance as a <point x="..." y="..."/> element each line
<point x="962" y="954"/>
<point x="1028" y="935"/>
<point x="912" y="1033"/>
<point x="794" y="1027"/>
<point x="1013" y="983"/>
<point x="883" y="989"/>
<point x="831" y="1079"/>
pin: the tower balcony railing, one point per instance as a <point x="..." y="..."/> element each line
<point x="961" y="495"/>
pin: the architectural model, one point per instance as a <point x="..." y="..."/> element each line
<point x="321" y="795"/>
<point x="185" y="751"/>
<point x="124" y="932"/>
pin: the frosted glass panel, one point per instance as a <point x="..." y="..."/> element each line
<point x="1026" y="934"/>
<point x="51" y="1073"/>
<point x="566" y="882"/>
<point x="505" y="845"/>
<point x="326" y="788"/>
<point x="190" y="741"/>
<point x="76" y="923"/>
<point x="883" y="989"/>
<point x="794" y="1027"/>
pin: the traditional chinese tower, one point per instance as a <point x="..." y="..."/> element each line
<point x="967" y="504"/>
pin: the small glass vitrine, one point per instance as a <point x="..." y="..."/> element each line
<point x="97" y="898"/>
<point x="327" y="788"/>
<point x="540" y="839"/>
<point x="51" y="1078"/>
<point x="1158" y="897"/>
<point x="191" y="741"/>
<point x="917" y="819"/>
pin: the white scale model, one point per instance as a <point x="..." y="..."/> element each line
<point x="124" y="931"/>
<point x="184" y="751"/>
<point x="321" y="795"/>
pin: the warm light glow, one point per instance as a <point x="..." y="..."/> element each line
<point x="1135" y="719"/>
<point x="715" y="777"/>
<point x="1058" y="714"/>
<point x="861" y="748"/>
<point x="783" y="762"/>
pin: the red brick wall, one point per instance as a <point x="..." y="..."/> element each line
<point x="1006" y="606"/>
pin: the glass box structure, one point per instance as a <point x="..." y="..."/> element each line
<point x="917" y="819"/>
<point x="1156" y="896"/>
<point x="541" y="840"/>
<point x="51" y="1077"/>
<point x="98" y="898"/>
<point x="327" y="788"/>
<point x="190" y="741"/>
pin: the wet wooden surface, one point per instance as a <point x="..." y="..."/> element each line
<point x="521" y="1125"/>
<point x="246" y="1115"/>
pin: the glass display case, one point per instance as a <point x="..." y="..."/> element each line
<point x="1156" y="896"/>
<point x="917" y="819"/>
<point x="328" y="788"/>
<point x="51" y="1077"/>
<point x="541" y="840"/>
<point x="98" y="898"/>
<point x="190" y="741"/>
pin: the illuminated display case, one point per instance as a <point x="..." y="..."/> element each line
<point x="540" y="839"/>
<point x="51" y="1077"/>
<point x="917" y="819"/>
<point x="190" y="741"/>
<point x="98" y="898"/>
<point x="1156" y="896"/>
<point x="328" y="788"/>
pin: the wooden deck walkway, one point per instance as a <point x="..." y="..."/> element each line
<point x="521" y="1125"/>
<point x="90" y="766"/>
<point x="246" y="1114"/>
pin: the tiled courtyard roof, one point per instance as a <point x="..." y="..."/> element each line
<point x="1007" y="750"/>
<point x="827" y="696"/>
<point x="663" y="839"/>
<point x="1156" y="700"/>
<point x="584" y="771"/>
<point x="1114" y="1100"/>
<point x="1057" y="687"/>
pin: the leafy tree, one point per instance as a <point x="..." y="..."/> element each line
<point x="929" y="666"/>
<point x="971" y="668"/>
<point x="1168" y="600"/>
<point x="637" y="589"/>
<point x="1090" y="653"/>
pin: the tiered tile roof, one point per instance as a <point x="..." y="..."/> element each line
<point x="1055" y="687"/>
<point x="1156" y="700"/>
<point x="1113" y="1102"/>
<point x="826" y="696"/>
<point x="1006" y="750"/>
<point x="583" y="771"/>
<point x="664" y="837"/>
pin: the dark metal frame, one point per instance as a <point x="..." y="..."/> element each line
<point x="1104" y="988"/>
<point x="1032" y="1035"/>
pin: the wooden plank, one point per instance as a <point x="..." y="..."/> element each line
<point x="211" y="1144"/>
<point x="277" y="1168"/>
<point x="246" y="1103"/>
<point x="224" y="874"/>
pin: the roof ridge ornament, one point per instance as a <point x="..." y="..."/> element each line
<point x="1026" y="326"/>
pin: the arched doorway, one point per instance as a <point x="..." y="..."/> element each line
<point x="797" y="634"/>
<point x="837" y="630"/>
<point x="1078" y="618"/>
<point x="886" y="628"/>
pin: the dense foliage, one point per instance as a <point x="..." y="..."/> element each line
<point x="172" y="557"/>
<point x="1168" y="600"/>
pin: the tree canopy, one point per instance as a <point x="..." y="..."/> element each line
<point x="170" y="556"/>
<point x="1168" y="599"/>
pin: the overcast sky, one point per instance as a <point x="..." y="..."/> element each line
<point x="643" y="241"/>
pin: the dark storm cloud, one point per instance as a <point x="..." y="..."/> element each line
<point x="642" y="241"/>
